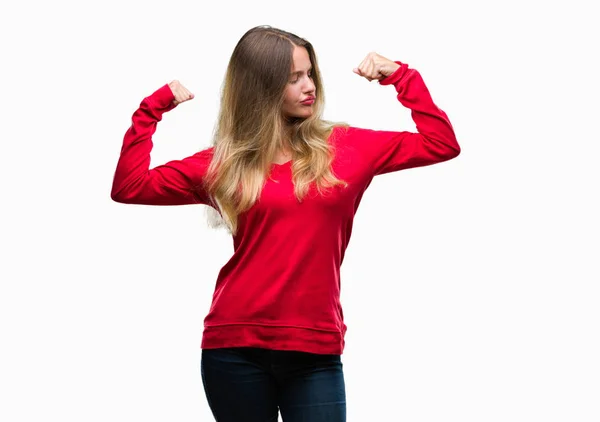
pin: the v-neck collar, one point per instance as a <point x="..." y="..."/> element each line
<point x="282" y="164"/>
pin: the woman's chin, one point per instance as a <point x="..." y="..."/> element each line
<point x="299" y="115"/>
<point x="304" y="113"/>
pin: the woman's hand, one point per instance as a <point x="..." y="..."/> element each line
<point x="180" y="92"/>
<point x="376" y="67"/>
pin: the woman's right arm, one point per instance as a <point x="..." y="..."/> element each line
<point x="178" y="182"/>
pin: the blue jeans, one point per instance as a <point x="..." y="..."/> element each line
<point x="253" y="385"/>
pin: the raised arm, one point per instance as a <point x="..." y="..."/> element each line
<point x="177" y="182"/>
<point x="434" y="141"/>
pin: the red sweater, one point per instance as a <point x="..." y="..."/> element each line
<point x="281" y="288"/>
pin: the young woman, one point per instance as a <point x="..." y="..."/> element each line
<point x="286" y="184"/>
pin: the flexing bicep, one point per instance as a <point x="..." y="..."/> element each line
<point x="388" y="151"/>
<point x="178" y="182"/>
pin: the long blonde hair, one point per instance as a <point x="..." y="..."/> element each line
<point x="251" y="127"/>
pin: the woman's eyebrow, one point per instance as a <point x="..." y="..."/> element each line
<point x="299" y="72"/>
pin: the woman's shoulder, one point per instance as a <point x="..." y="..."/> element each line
<point x="199" y="161"/>
<point x="346" y="138"/>
<point x="346" y="134"/>
<point x="205" y="153"/>
<point x="339" y="131"/>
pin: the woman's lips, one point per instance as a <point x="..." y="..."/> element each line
<point x="308" y="102"/>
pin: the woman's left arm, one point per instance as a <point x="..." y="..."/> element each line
<point x="390" y="151"/>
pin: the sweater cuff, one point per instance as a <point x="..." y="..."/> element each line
<point x="396" y="76"/>
<point x="163" y="98"/>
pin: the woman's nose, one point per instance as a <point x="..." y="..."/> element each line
<point x="309" y="86"/>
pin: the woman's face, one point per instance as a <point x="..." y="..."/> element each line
<point x="300" y="86"/>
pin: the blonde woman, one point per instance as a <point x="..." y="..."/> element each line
<point x="286" y="184"/>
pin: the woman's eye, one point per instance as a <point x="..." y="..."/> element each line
<point x="309" y="74"/>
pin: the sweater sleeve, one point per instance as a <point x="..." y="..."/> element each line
<point x="177" y="182"/>
<point x="389" y="151"/>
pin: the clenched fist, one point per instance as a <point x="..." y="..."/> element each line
<point x="180" y="92"/>
<point x="375" y="67"/>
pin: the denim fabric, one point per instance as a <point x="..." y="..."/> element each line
<point x="253" y="385"/>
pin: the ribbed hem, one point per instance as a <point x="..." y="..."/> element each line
<point x="274" y="338"/>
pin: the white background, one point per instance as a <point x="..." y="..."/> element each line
<point x="470" y="288"/>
